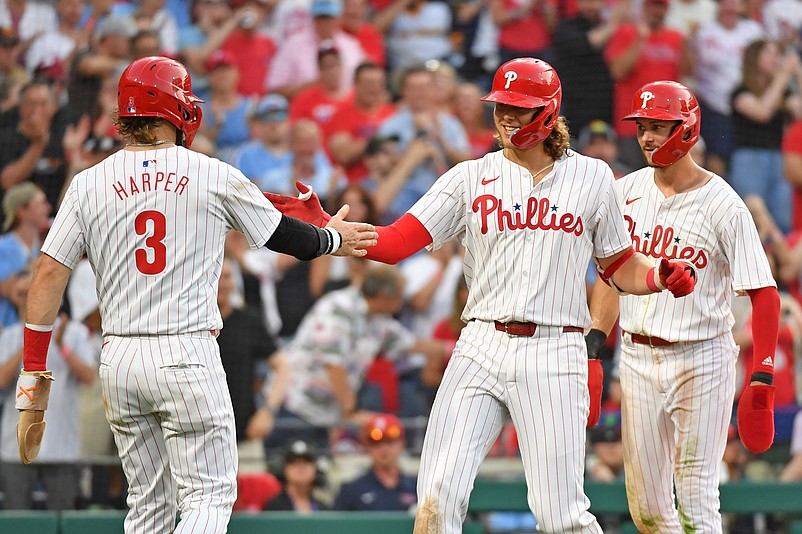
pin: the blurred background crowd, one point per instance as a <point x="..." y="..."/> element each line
<point x="368" y="101"/>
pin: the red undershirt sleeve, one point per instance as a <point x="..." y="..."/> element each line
<point x="400" y="240"/>
<point x="765" y="326"/>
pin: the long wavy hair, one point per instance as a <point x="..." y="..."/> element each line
<point x="556" y="144"/>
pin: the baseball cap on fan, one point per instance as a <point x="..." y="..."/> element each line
<point x="326" y="8"/>
<point x="597" y="129"/>
<point x="219" y="58"/>
<point x="271" y="108"/>
<point x="116" y="25"/>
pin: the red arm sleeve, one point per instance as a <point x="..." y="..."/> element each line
<point x="400" y="240"/>
<point x="765" y="326"/>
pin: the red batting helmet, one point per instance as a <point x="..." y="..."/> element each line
<point x="160" y="87"/>
<point x="529" y="83"/>
<point x="669" y="101"/>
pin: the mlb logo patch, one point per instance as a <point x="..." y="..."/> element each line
<point x="131" y="110"/>
<point x="149" y="163"/>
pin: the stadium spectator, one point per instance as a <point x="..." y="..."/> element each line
<point x="253" y="51"/>
<point x="356" y="121"/>
<point x="783" y="22"/>
<point x="687" y="16"/>
<point x="28" y="19"/>
<point x="578" y="46"/>
<point x="354" y="21"/>
<point x="145" y="43"/>
<point x="525" y="27"/>
<point x="640" y="52"/>
<point x="415" y="31"/>
<point x="25" y="212"/>
<point x="332" y="349"/>
<point x="299" y="474"/>
<point x="598" y="140"/>
<point x="151" y="15"/>
<point x="319" y="101"/>
<point x="761" y="105"/>
<point x="12" y="75"/>
<point x="225" y="112"/>
<point x="106" y="59"/>
<point x="470" y="111"/>
<point x="295" y="65"/>
<point x="212" y="22"/>
<point x="384" y="487"/>
<point x="418" y="118"/>
<point x="718" y="47"/>
<point x="62" y="43"/>
<point x="269" y="144"/>
<point x="72" y="357"/>
<point x="244" y="343"/>
<point x="32" y="148"/>
<point x="307" y="163"/>
<point x="792" y="164"/>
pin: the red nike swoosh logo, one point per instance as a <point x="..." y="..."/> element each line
<point x="631" y="200"/>
<point x="486" y="181"/>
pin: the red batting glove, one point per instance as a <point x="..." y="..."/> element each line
<point x="756" y="417"/>
<point x="677" y="276"/>
<point x="305" y="207"/>
<point x="595" y="381"/>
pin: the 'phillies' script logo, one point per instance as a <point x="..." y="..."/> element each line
<point x="537" y="215"/>
<point x="511" y="76"/>
<point x="646" y="96"/>
<point x="663" y="243"/>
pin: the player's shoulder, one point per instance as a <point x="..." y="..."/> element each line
<point x="635" y="178"/>
<point x="588" y="170"/>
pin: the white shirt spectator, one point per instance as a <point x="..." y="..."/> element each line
<point x="719" y="52"/>
<point x="688" y="15"/>
<point x="415" y="37"/>
<point x="39" y="18"/>
<point x="783" y="19"/>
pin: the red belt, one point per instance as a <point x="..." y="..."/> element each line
<point x="650" y="340"/>
<point x="516" y="328"/>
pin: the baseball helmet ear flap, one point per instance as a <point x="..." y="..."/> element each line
<point x="669" y="101"/>
<point x="529" y="83"/>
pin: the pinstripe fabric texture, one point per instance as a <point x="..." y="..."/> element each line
<point x="527" y="250"/>
<point x="677" y="400"/>
<point x="152" y="224"/>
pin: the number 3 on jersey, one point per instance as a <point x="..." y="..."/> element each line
<point x="154" y="244"/>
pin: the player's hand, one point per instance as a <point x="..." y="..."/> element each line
<point x="305" y="207"/>
<point x="677" y="276"/>
<point x="756" y="416"/>
<point x="355" y="236"/>
<point x="33" y="392"/>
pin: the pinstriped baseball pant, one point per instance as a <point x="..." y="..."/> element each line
<point x="676" y="407"/>
<point x="541" y="382"/>
<point x="168" y="405"/>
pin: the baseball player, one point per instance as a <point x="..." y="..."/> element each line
<point x="530" y="217"/>
<point x="152" y="219"/>
<point x="678" y="357"/>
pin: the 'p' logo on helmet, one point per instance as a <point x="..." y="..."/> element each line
<point x="511" y="76"/>
<point x="646" y="96"/>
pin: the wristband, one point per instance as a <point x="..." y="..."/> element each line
<point x="335" y="240"/>
<point x="653" y="281"/>
<point x="766" y="378"/>
<point x="595" y="341"/>
<point x="36" y="341"/>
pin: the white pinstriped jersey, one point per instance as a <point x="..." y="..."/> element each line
<point x="153" y="224"/>
<point x="709" y="227"/>
<point x="527" y="248"/>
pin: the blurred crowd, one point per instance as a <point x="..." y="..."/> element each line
<point x="368" y="101"/>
